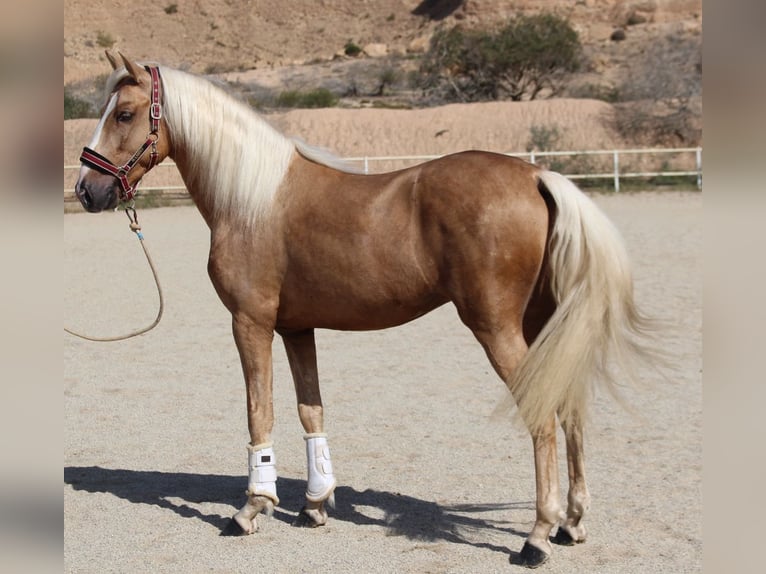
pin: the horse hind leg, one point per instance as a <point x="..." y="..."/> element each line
<point x="537" y="548"/>
<point x="321" y="483"/>
<point x="505" y="349"/>
<point x="505" y="332"/>
<point x="572" y="530"/>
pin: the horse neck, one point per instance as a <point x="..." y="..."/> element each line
<point x="231" y="160"/>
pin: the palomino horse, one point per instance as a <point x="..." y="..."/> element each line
<point x="299" y="242"/>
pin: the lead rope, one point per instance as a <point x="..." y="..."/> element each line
<point x="135" y="228"/>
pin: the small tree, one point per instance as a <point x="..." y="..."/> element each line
<point x="528" y="57"/>
<point x="75" y="107"/>
<point x="662" y="91"/>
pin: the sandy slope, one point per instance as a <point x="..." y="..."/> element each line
<point x="494" y="126"/>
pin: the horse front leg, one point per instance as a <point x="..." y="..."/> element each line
<point x="254" y="340"/>
<point x="320" y="486"/>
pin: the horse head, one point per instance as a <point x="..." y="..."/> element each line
<point x="131" y="137"/>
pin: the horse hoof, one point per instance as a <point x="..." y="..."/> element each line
<point x="233" y="528"/>
<point x="563" y="538"/>
<point x="530" y="556"/>
<point x="310" y="518"/>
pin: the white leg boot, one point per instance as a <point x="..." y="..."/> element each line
<point x="262" y="471"/>
<point x="261" y="486"/>
<point x="321" y="480"/>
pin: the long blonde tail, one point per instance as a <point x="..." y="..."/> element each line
<point x="596" y="325"/>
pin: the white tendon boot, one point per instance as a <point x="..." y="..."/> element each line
<point x="262" y="471"/>
<point x="261" y="486"/>
<point x="321" y="480"/>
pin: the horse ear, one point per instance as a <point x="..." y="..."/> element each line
<point x="112" y="59"/>
<point x="134" y="70"/>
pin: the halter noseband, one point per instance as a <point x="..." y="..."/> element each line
<point x="94" y="159"/>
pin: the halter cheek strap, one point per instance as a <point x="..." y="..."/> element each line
<point x="95" y="160"/>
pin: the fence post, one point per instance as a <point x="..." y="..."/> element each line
<point x="532" y="157"/>
<point x="699" y="168"/>
<point x="616" y="171"/>
<point x="366" y="166"/>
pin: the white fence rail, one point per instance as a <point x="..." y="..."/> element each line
<point x="614" y="165"/>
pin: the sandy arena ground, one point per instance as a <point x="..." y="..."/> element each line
<point x="429" y="481"/>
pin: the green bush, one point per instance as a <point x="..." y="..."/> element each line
<point x="75" y="108"/>
<point x="105" y="39"/>
<point x="318" y="98"/>
<point x="543" y="138"/>
<point x="351" y="49"/>
<point x="527" y="58"/>
<point x="591" y="91"/>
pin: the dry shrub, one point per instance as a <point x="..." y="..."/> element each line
<point x="661" y="93"/>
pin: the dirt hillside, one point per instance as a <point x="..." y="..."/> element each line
<point x="497" y="126"/>
<point x="224" y="35"/>
<point x="278" y="43"/>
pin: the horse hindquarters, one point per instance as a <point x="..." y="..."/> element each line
<point x="495" y="256"/>
<point x="595" y="320"/>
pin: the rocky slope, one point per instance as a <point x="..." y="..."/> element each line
<point x="217" y="36"/>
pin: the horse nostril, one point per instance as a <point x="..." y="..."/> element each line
<point x="84" y="196"/>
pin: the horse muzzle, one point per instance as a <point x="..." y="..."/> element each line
<point x="97" y="196"/>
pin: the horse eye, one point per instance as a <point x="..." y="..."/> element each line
<point x="124" y="117"/>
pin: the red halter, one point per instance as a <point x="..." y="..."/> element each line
<point x="94" y="159"/>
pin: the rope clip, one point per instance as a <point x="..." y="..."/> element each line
<point x="130" y="211"/>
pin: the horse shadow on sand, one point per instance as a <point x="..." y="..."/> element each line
<point x="399" y="514"/>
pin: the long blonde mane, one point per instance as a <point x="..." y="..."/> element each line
<point x="234" y="159"/>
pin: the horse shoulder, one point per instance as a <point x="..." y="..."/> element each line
<point x="245" y="272"/>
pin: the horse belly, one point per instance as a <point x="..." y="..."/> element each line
<point x="353" y="319"/>
<point x="355" y="301"/>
